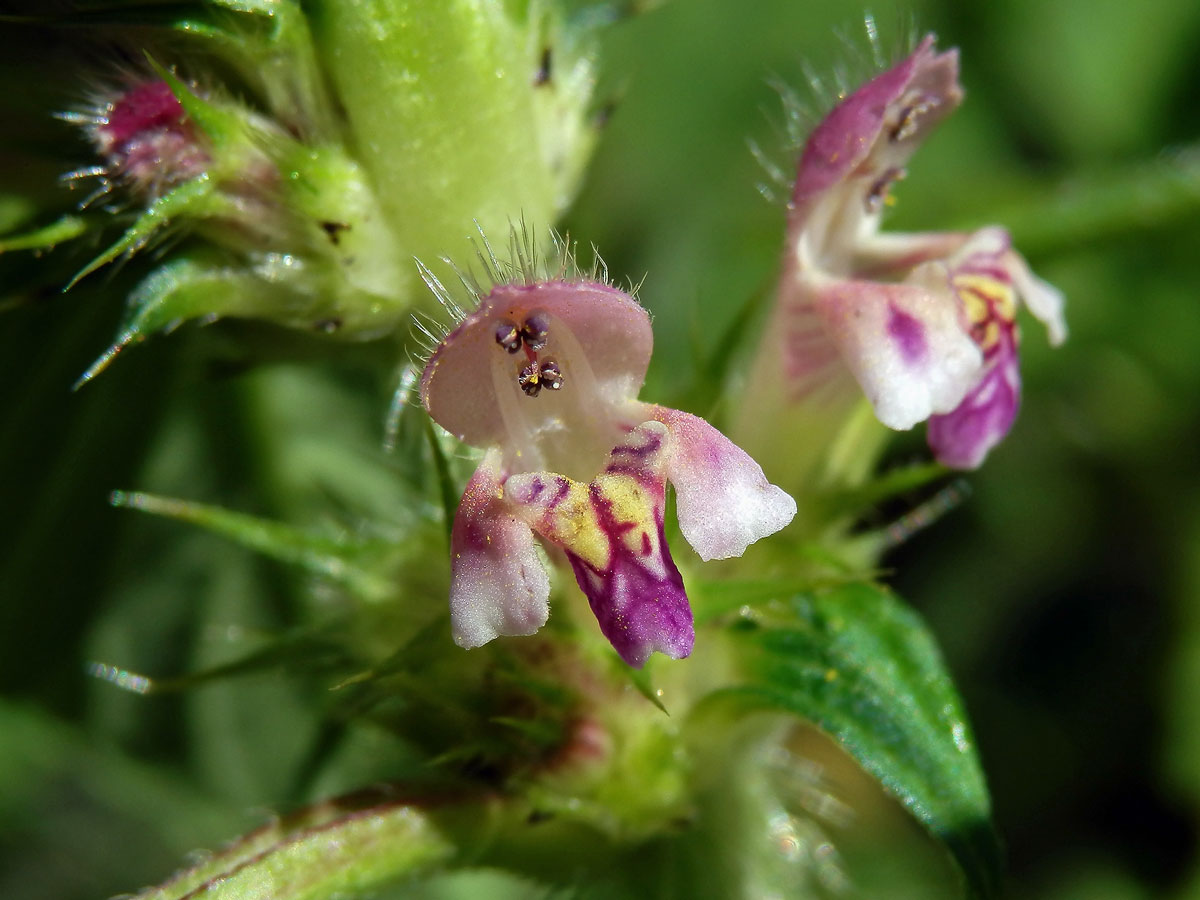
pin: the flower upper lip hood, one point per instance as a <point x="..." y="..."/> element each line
<point x="888" y="116"/>
<point x="544" y="373"/>
<point x="852" y="158"/>
<point x="611" y="330"/>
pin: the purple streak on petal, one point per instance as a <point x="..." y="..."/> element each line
<point x="612" y="532"/>
<point x="808" y="354"/>
<point x="962" y="439"/>
<point x="639" y="600"/>
<point x="903" y="388"/>
<point x="908" y="333"/>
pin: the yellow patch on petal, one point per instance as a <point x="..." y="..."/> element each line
<point x="975" y="304"/>
<point x="989" y="303"/>
<point x="985" y="297"/>
<point x="572" y="522"/>
<point x="631" y="503"/>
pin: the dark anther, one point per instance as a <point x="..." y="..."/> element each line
<point x="507" y="336"/>
<point x="536" y="330"/>
<point x="906" y="125"/>
<point x="542" y="76"/>
<point x="530" y="379"/>
<point x="879" y="189"/>
<point x="552" y="378"/>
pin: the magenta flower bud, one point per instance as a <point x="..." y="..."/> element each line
<point x="546" y="375"/>
<point x="147" y="141"/>
<point x="925" y="322"/>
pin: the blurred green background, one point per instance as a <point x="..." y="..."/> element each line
<point x="1065" y="589"/>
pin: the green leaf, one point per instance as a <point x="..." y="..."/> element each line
<point x="221" y="126"/>
<point x="329" y="557"/>
<point x="892" y="483"/>
<point x="640" y="679"/>
<point x="861" y="665"/>
<point x="346" y="848"/>
<point x="64" y="229"/>
<point x="196" y="198"/>
<point x="283" y="59"/>
<point x="306" y="648"/>
<point x="185" y="288"/>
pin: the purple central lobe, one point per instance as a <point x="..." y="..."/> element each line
<point x="963" y="438"/>
<point x="639" y="608"/>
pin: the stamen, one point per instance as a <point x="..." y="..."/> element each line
<point x="536" y="330"/>
<point x="879" y="190"/>
<point x="906" y="126"/>
<point x="530" y="379"/>
<point x="507" y="336"/>
<point x="520" y="442"/>
<point x="537" y="375"/>
<point x="552" y="378"/>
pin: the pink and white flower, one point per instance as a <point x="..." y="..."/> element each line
<point x="545" y="374"/>
<point x="925" y="322"/>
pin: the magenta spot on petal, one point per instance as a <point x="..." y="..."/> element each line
<point x="646" y="545"/>
<point x="536" y="488"/>
<point x="908" y="333"/>
<point x="474" y="533"/>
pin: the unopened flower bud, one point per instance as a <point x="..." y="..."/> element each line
<point x="147" y="141"/>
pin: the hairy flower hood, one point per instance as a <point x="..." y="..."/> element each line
<point x="879" y="125"/>
<point x="545" y="375"/>
<point x="471" y="385"/>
